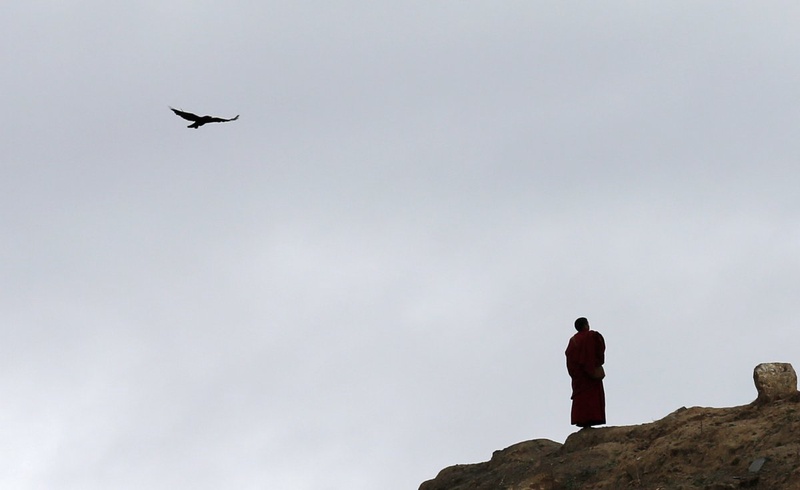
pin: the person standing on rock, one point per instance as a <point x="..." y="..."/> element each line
<point x="585" y="358"/>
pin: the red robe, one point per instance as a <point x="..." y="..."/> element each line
<point x="585" y="353"/>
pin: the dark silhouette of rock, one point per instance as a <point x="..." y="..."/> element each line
<point x="750" y="446"/>
<point x="198" y="121"/>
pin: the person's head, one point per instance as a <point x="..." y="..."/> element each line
<point x="581" y="324"/>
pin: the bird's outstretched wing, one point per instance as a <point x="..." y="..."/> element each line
<point x="186" y="115"/>
<point x="219" y="119"/>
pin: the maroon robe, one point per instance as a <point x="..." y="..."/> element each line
<point x="585" y="354"/>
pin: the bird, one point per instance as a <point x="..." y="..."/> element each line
<point x="198" y="121"/>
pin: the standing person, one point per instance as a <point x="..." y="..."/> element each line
<point x="585" y="358"/>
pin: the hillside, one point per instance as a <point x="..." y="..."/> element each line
<point x="751" y="446"/>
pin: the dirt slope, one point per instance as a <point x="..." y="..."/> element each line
<point x="751" y="446"/>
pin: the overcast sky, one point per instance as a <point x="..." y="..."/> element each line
<point x="373" y="273"/>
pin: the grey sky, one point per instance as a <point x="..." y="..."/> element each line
<point x="373" y="273"/>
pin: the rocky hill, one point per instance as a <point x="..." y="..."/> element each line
<point x="751" y="446"/>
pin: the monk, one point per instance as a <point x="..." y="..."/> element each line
<point x="585" y="358"/>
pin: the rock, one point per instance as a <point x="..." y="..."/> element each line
<point x="508" y="468"/>
<point x="774" y="381"/>
<point x="756" y="465"/>
<point x="750" y="446"/>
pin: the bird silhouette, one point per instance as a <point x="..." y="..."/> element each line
<point x="198" y="121"/>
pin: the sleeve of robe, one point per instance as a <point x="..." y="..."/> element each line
<point x="585" y="353"/>
<point x="599" y="349"/>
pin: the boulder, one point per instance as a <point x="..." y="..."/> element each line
<point x="774" y="381"/>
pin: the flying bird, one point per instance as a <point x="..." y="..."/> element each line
<point x="198" y="121"/>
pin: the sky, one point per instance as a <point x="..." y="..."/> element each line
<point x="373" y="273"/>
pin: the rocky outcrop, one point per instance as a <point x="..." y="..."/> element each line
<point x="751" y="446"/>
<point x="774" y="380"/>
